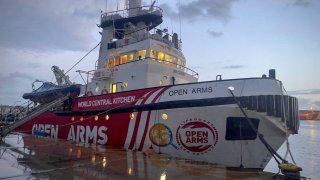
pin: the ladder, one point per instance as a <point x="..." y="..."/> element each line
<point x="42" y="108"/>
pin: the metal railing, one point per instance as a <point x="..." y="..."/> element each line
<point x="172" y="64"/>
<point x="124" y="13"/>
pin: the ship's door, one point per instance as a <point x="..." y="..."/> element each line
<point x="116" y="87"/>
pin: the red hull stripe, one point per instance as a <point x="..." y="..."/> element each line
<point x="148" y="119"/>
<point x="136" y="126"/>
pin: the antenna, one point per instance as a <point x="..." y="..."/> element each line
<point x="117" y="5"/>
<point x="179" y="20"/>
<point x="106" y="6"/>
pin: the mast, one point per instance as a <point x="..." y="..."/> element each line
<point x="135" y="20"/>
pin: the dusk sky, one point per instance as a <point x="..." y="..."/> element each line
<point x="234" y="38"/>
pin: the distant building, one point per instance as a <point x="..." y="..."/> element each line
<point x="309" y="115"/>
<point x="11" y="113"/>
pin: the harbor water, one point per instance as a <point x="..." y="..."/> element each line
<point x="305" y="148"/>
<point x="49" y="159"/>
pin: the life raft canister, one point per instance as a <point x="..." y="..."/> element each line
<point x="89" y="93"/>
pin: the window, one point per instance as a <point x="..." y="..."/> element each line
<point x="116" y="60"/>
<point x="153" y="54"/>
<point x="160" y="55"/>
<point x="106" y="64"/>
<point x="131" y="56"/>
<point x="174" y="62"/>
<point x="123" y="59"/>
<point x="238" y="128"/>
<point x="113" y="87"/>
<point x="142" y="54"/>
<point x="97" y="87"/>
<point x="167" y="58"/>
<point x="110" y="63"/>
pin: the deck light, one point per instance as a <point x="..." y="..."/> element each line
<point x="231" y="88"/>
<point x="131" y="115"/>
<point x="129" y="171"/>
<point x="104" y="161"/>
<point x="164" y="116"/>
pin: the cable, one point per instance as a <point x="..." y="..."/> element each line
<point x="265" y="143"/>
<point x="83" y="57"/>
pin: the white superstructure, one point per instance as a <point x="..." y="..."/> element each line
<point x="134" y="54"/>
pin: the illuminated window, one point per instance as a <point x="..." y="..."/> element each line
<point x="123" y="59"/>
<point x="96" y="117"/>
<point x="167" y="58"/>
<point x="142" y="54"/>
<point x="106" y="64"/>
<point x="174" y="61"/>
<point x="116" y="60"/>
<point x="97" y="87"/>
<point x="179" y="63"/>
<point x="131" y="56"/>
<point x="113" y="87"/>
<point x="160" y="55"/>
<point x="110" y="63"/>
<point x="81" y="118"/>
<point x="107" y="117"/>
<point x="153" y="53"/>
<point x="161" y="82"/>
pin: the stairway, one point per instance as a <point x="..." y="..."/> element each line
<point x="40" y="109"/>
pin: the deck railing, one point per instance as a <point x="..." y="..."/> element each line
<point x="124" y="13"/>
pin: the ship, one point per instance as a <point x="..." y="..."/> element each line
<point x="143" y="96"/>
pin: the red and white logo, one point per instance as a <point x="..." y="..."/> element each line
<point x="196" y="136"/>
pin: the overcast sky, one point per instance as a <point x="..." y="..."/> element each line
<point x="234" y="38"/>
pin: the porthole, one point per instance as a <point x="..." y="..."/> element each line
<point x="96" y="117"/>
<point x="81" y="118"/>
<point x="107" y="117"/>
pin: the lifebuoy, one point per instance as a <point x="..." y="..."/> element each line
<point x="104" y="91"/>
<point x="89" y="93"/>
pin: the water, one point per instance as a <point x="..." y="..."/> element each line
<point x="54" y="159"/>
<point x="305" y="148"/>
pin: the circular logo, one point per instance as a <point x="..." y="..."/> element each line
<point x="161" y="135"/>
<point x="197" y="136"/>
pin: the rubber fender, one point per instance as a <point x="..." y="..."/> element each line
<point x="289" y="167"/>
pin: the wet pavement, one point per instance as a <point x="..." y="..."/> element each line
<point x="41" y="158"/>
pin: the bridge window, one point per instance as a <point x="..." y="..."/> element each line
<point x="174" y="61"/>
<point x="116" y="60"/>
<point x="167" y="58"/>
<point x="238" y="128"/>
<point x="160" y="55"/>
<point x="142" y="54"/>
<point x="123" y="59"/>
<point x="110" y="63"/>
<point x="131" y="56"/>
<point x="153" y="53"/>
